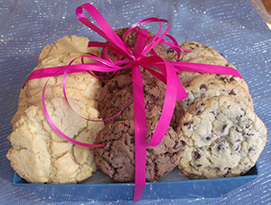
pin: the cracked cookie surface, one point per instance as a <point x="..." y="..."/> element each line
<point x="40" y="155"/>
<point x="116" y="158"/>
<point x="112" y="87"/>
<point x="154" y="92"/>
<point x="85" y="83"/>
<point x="220" y="137"/>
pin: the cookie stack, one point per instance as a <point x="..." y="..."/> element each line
<point x="39" y="154"/>
<point x="221" y="136"/>
<point x="116" y="158"/>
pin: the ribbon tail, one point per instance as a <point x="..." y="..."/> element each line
<point x="168" y="107"/>
<point x="206" y="68"/>
<point x="140" y="134"/>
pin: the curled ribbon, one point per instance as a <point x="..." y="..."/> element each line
<point x="135" y="58"/>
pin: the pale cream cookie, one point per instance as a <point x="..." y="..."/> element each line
<point x="73" y="44"/>
<point x="84" y="82"/>
<point x="40" y="155"/>
<point x="50" y="92"/>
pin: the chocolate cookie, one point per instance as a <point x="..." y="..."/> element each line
<point x="206" y="85"/>
<point x="220" y="137"/>
<point x="116" y="158"/>
<point x="154" y="93"/>
<point x="112" y="87"/>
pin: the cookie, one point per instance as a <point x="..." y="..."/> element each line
<point x="220" y="137"/>
<point x="206" y="85"/>
<point x="50" y="92"/>
<point x="109" y="90"/>
<point x="154" y="93"/>
<point x="186" y="76"/>
<point x="65" y="45"/>
<point x="197" y="49"/>
<point x="87" y="84"/>
<point x="40" y="155"/>
<point x="116" y="158"/>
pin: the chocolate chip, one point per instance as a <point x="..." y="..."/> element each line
<point x="224" y="127"/>
<point x="232" y="92"/>
<point x="183" y="143"/>
<point x="238" y="117"/>
<point x="224" y="79"/>
<point x="252" y="149"/>
<point x="248" y="125"/>
<point x="198" y="112"/>
<point x="213" y="112"/>
<point x="188" y="124"/>
<point x="196" y="155"/>
<point x="208" y="137"/>
<point x="228" y="168"/>
<point x="204" y="87"/>
<point x="238" y="148"/>
<point x="237" y="129"/>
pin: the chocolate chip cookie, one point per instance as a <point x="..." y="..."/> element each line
<point x="187" y="76"/>
<point x="220" y="137"/>
<point x="197" y="49"/>
<point x="206" y="85"/>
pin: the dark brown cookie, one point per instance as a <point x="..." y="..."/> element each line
<point x="116" y="158"/>
<point x="111" y="88"/>
<point x="154" y="93"/>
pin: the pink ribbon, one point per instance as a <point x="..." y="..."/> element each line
<point x="174" y="91"/>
